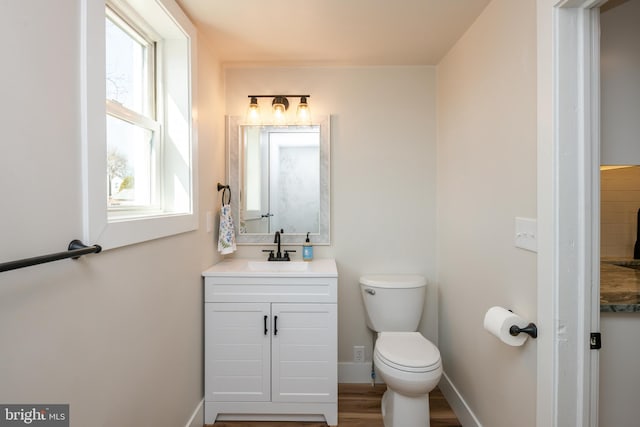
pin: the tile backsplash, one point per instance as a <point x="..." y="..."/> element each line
<point x="619" y="204"/>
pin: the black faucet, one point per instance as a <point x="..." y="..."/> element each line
<point x="276" y="239"/>
<point x="278" y="256"/>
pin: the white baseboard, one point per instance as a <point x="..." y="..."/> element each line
<point x="466" y="417"/>
<point x="355" y="373"/>
<point x="197" y="418"/>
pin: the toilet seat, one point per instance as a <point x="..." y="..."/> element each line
<point x="407" y="351"/>
<point x="397" y="281"/>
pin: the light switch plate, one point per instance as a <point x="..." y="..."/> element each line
<point x="527" y="234"/>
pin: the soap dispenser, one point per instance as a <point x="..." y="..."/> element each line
<point x="307" y="250"/>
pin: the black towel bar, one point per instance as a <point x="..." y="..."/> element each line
<point x="75" y="250"/>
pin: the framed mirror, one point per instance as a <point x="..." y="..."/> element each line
<point x="279" y="179"/>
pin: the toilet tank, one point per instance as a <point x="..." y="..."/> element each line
<point x="393" y="303"/>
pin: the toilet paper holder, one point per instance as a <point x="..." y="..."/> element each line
<point x="531" y="329"/>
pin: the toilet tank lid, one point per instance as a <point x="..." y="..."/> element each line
<point x="393" y="280"/>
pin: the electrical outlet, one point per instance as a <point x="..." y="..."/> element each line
<point x="358" y="353"/>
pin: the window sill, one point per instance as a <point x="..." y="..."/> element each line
<point x="137" y="230"/>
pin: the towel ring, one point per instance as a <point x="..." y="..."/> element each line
<point x="224" y="189"/>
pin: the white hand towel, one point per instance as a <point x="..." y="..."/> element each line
<point x="227" y="238"/>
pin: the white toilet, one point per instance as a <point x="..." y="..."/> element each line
<point x="405" y="360"/>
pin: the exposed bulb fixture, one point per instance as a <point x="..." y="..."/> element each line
<point x="303" y="115"/>
<point x="279" y="107"/>
<point x="253" y="112"/>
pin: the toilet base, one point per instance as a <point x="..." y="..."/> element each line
<point x="405" y="411"/>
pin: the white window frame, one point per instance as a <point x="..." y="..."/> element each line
<point x="178" y="105"/>
<point x="149" y="118"/>
<point x="115" y="213"/>
<point x="134" y="25"/>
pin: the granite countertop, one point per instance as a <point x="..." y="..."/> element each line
<point x="619" y="285"/>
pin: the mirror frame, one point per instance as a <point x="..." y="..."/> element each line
<point x="234" y="137"/>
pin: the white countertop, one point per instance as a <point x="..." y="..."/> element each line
<point x="239" y="267"/>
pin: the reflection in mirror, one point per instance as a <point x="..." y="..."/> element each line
<point x="282" y="174"/>
<point x="281" y="179"/>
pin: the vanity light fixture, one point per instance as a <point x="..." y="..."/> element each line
<point x="279" y="107"/>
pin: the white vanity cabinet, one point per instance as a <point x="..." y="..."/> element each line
<point x="271" y="343"/>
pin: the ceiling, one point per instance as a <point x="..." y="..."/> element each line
<point x="332" y="32"/>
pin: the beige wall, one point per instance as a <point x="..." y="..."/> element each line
<point x="619" y="204"/>
<point x="620" y="97"/>
<point x="116" y="335"/>
<point x="619" y="381"/>
<point x="620" y="84"/>
<point x="382" y="176"/>
<point x="619" y="376"/>
<point x="487" y="177"/>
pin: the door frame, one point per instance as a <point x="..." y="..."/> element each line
<point x="568" y="211"/>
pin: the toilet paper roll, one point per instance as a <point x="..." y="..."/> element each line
<point x="498" y="320"/>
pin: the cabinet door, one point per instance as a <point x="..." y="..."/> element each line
<point x="237" y="352"/>
<point x="304" y="353"/>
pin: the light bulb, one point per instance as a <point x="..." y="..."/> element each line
<point x="280" y="105"/>
<point x="303" y="115"/>
<point x="253" y="112"/>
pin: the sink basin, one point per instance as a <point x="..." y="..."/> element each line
<point x="279" y="266"/>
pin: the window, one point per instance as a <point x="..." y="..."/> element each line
<point x="133" y="132"/>
<point x="138" y="88"/>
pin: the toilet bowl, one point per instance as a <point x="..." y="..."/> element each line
<point x="407" y="362"/>
<point x="410" y="366"/>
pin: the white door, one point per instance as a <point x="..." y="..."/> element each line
<point x="304" y="342"/>
<point x="237" y="352"/>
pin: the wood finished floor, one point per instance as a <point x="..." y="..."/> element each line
<point x="359" y="406"/>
